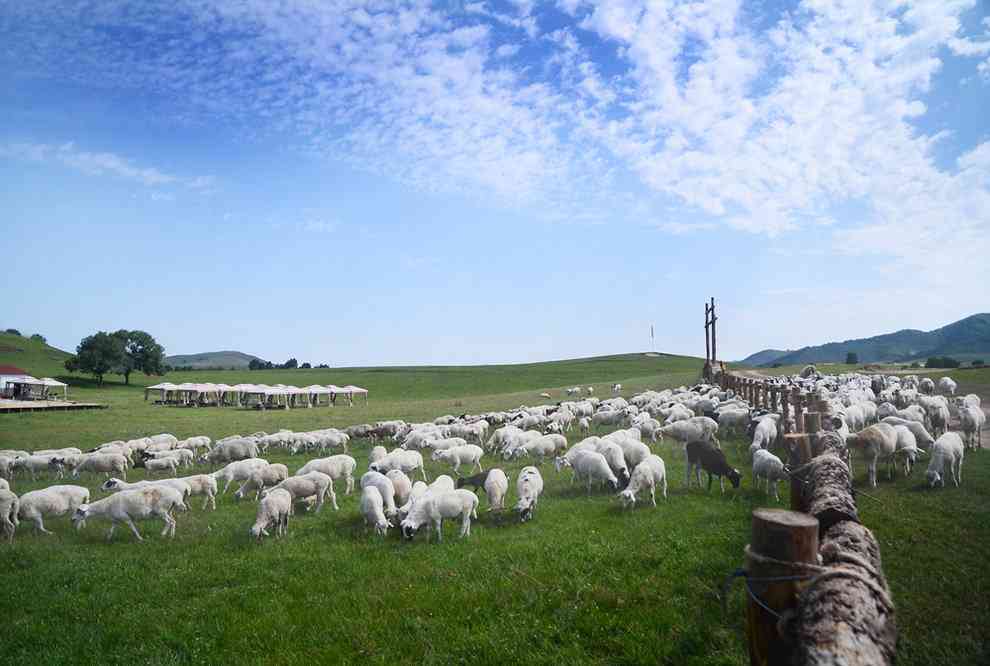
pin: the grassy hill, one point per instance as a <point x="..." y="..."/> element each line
<point x="38" y="358"/>
<point x="219" y="359"/>
<point x="965" y="339"/>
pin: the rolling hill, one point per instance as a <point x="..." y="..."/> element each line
<point x="965" y="339"/>
<point x="233" y="360"/>
<point x="38" y="358"/>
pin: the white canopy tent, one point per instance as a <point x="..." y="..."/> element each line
<point x="252" y="395"/>
<point x="37" y="389"/>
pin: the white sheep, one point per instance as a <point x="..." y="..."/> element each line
<point x="231" y="450"/>
<point x="541" y="447"/>
<point x="972" y="420"/>
<point x="401" y="484"/>
<point x="372" y="508"/>
<point x="648" y="474"/>
<point x="106" y="463"/>
<point x="593" y="466"/>
<point x="385" y="487"/>
<point x="770" y="468"/>
<point x="529" y="487"/>
<point x="432" y="509"/>
<point x="265" y="476"/>
<point x="183" y="456"/>
<point x="947" y="449"/>
<point x="496" y="488"/>
<point x="340" y="466"/>
<point x="877" y="442"/>
<point x="195" y="443"/>
<point x="697" y="428"/>
<point x="274" y="509"/>
<point x="419" y="488"/>
<point x="155" y="501"/>
<point x="407" y="461"/>
<point x="921" y="436"/>
<point x="116" y="485"/>
<point x="162" y="465"/>
<point x="469" y="454"/>
<point x="764" y="434"/>
<point x="50" y="463"/>
<point x="239" y="470"/>
<point x="584" y="425"/>
<point x="377" y="453"/>
<point x="312" y="484"/>
<point x="9" y="508"/>
<point x="51" y="501"/>
<point x="947" y="385"/>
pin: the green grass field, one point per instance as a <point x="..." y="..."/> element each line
<point x="583" y="582"/>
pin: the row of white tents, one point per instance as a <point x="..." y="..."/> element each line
<point x="253" y="395"/>
<point x="28" y="387"/>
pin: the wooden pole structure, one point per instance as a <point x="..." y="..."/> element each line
<point x="785" y="536"/>
<point x="785" y="412"/>
<point x="714" y="319"/>
<point x="708" y="352"/>
<point x="799" y="452"/>
<point x="813" y="424"/>
<point x="798" y="410"/>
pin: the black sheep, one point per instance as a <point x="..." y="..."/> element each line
<point x="706" y="456"/>
<point x="478" y="481"/>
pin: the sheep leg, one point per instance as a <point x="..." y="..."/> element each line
<point x="130" y="523"/>
<point x="422" y="469"/>
<point x="113" y="526"/>
<point x="957" y="472"/>
<point x="350" y="485"/>
<point x="439" y="526"/>
<point x="39" y="525"/>
<point x="333" y="497"/>
<point x="721" y="483"/>
<point x="687" y="475"/>
<point x="776" y="496"/>
<point x="653" y="496"/>
<point x="466" y="525"/>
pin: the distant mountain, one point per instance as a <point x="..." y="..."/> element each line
<point x="965" y="339"/>
<point x="218" y="359"/>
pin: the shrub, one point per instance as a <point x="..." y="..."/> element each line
<point x="852" y="358"/>
<point x="977" y="362"/>
<point x="38" y="337"/>
<point x="13" y="331"/>
<point x="942" y="362"/>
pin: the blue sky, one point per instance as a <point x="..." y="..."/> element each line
<point x="413" y="182"/>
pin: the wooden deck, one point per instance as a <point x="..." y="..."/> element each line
<point x="20" y="406"/>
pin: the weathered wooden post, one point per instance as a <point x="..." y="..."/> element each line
<point x="785" y="413"/>
<point x="799" y="452"/>
<point x="797" y="399"/>
<point x="785" y="536"/>
<point x="813" y="424"/>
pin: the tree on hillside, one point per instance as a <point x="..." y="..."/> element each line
<point x="12" y="331"/>
<point x="38" y="337"/>
<point x="305" y="366"/>
<point x="852" y="358"/>
<point x="142" y="353"/>
<point x="291" y="364"/>
<point x="97" y="355"/>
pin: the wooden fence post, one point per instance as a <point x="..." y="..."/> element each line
<point x="786" y="536"/>
<point x="799" y="452"/>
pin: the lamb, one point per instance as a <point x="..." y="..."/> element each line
<point x="702" y="454"/>
<point x="385" y="487"/>
<point x="616" y="460"/>
<point x="107" y="463"/>
<point x="195" y="443"/>
<point x="312" y="484"/>
<point x="162" y="465"/>
<point x="239" y="470"/>
<point x="155" y="501"/>
<point x="51" y="501"/>
<point x="336" y="467"/>
<point x="972" y="420"/>
<point x="496" y="488"/>
<point x="9" y="508"/>
<point x="878" y="441"/>
<point x="372" y="509"/>
<point x="764" y="433"/>
<point x="947" y="385"/>
<point x="584" y="425"/>
<point x="39" y="463"/>
<point x="648" y="474"/>
<point x="273" y="509"/>
<point x="203" y="484"/>
<point x="377" y="453"/>
<point x="949" y="449"/>
<point x="431" y="511"/>
<point x="183" y="456"/>
<point x="265" y="476"/>
<point x="529" y="486"/>
<point x="770" y="468"/>
<point x="420" y="490"/>
<point x="407" y="461"/>
<point x="907" y="446"/>
<point x="445" y="443"/>
<point x="468" y="454"/>
<point x="401" y="484"/>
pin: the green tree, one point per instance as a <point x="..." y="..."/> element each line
<point x="142" y="353"/>
<point x="852" y="358"/>
<point x="291" y="364"/>
<point x="12" y="331"/>
<point x="305" y="366"/>
<point x="38" y="337"/>
<point x="97" y="355"/>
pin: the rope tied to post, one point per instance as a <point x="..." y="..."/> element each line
<point x="814" y="573"/>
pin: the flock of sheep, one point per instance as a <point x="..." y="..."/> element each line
<point x="885" y="419"/>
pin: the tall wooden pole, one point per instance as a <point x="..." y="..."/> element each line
<point x="708" y="353"/>
<point x="714" y="319"/>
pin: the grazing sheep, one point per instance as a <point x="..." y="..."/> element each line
<point x="274" y="509"/>
<point x="541" y="447"/>
<point x="584" y="425"/>
<point x="770" y="468"/>
<point x="419" y="488"/>
<point x="183" y="456"/>
<point x="441" y="484"/>
<point x="51" y="501"/>
<point x="312" y="484"/>
<point x="340" y="466"/>
<point x="4" y="484"/>
<point x="927" y="386"/>
<point x="203" y="484"/>
<point x="401" y="484"/>
<point x="385" y="487"/>
<point x="634" y="451"/>
<point x="648" y="474"/>
<point x="50" y="463"/>
<point x="459" y="455"/>
<point x="106" y="463"/>
<point x="947" y="385"/>
<point x="162" y="465"/>
<point x="921" y="436"/>
<point x="764" y="433"/>
<point x="445" y="443"/>
<point x="877" y="442"/>
<point x="9" y="508"/>
<point x="372" y="509"/>
<point x="972" y="419"/>
<point x="377" y="453"/>
<point x="195" y="443"/>
<point x="407" y="461"/>
<point x="239" y="470"/>
<point x="529" y="486"/>
<point x="230" y="451"/>
<point x="116" y="486"/>
<point x="266" y="476"/>
<point x="155" y="501"/>
<point x="947" y="449"/>
<point x="616" y="461"/>
<point x="593" y="466"/>
<point x="703" y="455"/>
<point x="432" y="509"/>
<point x="496" y="489"/>
<point x="907" y="447"/>
<point x="698" y="428"/>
